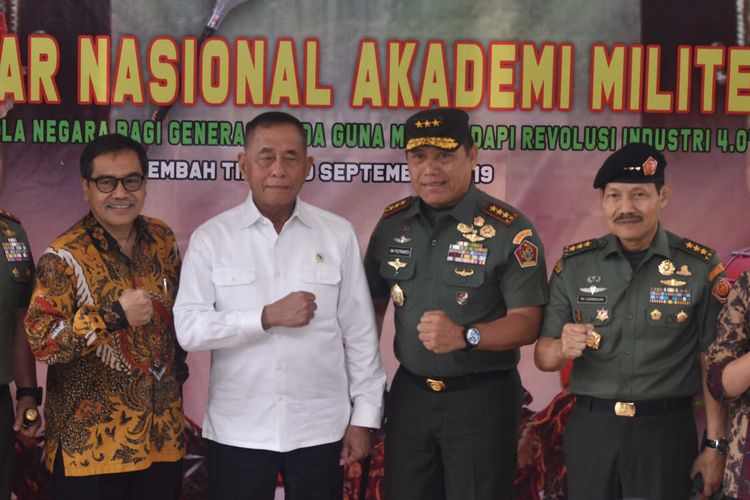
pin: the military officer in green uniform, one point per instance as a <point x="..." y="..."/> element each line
<point x="467" y="278"/>
<point x="635" y="311"/>
<point x="16" y="361"/>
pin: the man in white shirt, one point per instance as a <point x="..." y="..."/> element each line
<point x="275" y="288"/>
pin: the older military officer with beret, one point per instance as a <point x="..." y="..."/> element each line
<point x="466" y="275"/>
<point x="635" y="310"/>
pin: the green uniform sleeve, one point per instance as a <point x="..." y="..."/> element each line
<point x="524" y="281"/>
<point x="558" y="311"/>
<point x="717" y="291"/>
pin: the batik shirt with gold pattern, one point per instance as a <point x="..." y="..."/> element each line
<point x="113" y="391"/>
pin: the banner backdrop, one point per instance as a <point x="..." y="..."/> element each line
<point x="552" y="89"/>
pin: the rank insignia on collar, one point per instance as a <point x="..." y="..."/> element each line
<point x="397" y="207"/>
<point x="10" y="216"/>
<point x="666" y="268"/>
<point x="499" y="213"/>
<point x="698" y="250"/>
<point x="402" y="239"/>
<point x="526" y="254"/>
<point x="602" y="314"/>
<point x="579" y="247"/>
<point x="397" y="264"/>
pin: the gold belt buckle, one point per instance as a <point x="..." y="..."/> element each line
<point x="435" y="385"/>
<point x="624" y="409"/>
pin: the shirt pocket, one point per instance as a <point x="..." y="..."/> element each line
<point x="404" y="277"/>
<point x="234" y="287"/>
<point x="324" y="282"/>
<point x="460" y="295"/>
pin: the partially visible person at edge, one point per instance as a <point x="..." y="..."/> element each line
<point x="466" y="274"/>
<point x="274" y="287"/>
<point x="636" y="311"/>
<point x="101" y="318"/>
<point x="729" y="380"/>
<point x="16" y="361"/>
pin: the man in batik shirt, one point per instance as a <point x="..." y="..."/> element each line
<point x="101" y="317"/>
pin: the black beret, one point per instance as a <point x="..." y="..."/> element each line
<point x="633" y="163"/>
<point x="444" y="128"/>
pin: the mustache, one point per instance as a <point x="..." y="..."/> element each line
<point x="629" y="217"/>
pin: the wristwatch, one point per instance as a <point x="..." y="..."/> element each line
<point x="721" y="445"/>
<point x="472" y="337"/>
<point x="35" y="392"/>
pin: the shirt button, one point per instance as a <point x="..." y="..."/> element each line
<point x="433" y="243"/>
<point x="428" y="277"/>
<point x="627" y="351"/>
<point x="629" y="315"/>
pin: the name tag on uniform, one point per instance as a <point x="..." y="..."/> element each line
<point x="589" y="299"/>
<point x="399" y="252"/>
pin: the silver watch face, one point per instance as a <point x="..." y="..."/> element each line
<point x="473" y="336"/>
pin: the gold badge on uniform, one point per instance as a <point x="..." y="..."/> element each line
<point x="463" y="228"/>
<point x="682" y="317"/>
<point x="593" y="340"/>
<point x="463" y="272"/>
<point x="666" y="268"/>
<point x="318" y="257"/>
<point x="655" y="314"/>
<point x="602" y="314"/>
<point x="479" y="221"/>
<point x="462" y="298"/>
<point x="397" y="295"/>
<point x="15" y="272"/>
<point x="397" y="264"/>
<point x="684" y="271"/>
<point x="474" y="237"/>
<point x="672" y="282"/>
<point x="487" y="231"/>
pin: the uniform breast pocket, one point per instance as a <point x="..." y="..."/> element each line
<point x="20" y="272"/>
<point x="324" y="282"/>
<point x="402" y="273"/>
<point x="461" y="291"/>
<point x="668" y="316"/>
<point x="234" y="287"/>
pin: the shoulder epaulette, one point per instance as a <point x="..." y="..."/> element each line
<point x="396" y="207"/>
<point x="499" y="213"/>
<point x="10" y="216"/>
<point x="580" y="247"/>
<point x="697" y="250"/>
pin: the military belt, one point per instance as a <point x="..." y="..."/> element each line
<point x="647" y="408"/>
<point x="444" y="384"/>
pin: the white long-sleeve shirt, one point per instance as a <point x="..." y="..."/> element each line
<point x="284" y="388"/>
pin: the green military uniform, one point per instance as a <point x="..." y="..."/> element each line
<point x="632" y="432"/>
<point x="16" y="286"/>
<point x="479" y="260"/>
<point x="652" y="321"/>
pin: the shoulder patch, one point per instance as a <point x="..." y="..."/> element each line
<point x="397" y="207"/>
<point x="499" y="213"/>
<point x="716" y="271"/>
<point x="721" y="290"/>
<point x="697" y="250"/>
<point x="558" y="267"/>
<point x="10" y="216"/>
<point x="580" y="247"/>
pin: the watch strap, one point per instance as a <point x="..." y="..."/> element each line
<point x="35" y="392"/>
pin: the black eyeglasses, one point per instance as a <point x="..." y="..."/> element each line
<point x="107" y="183"/>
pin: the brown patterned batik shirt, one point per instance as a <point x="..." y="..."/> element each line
<point x="114" y="402"/>
<point x="732" y="342"/>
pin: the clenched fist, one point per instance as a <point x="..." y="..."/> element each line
<point x="137" y="306"/>
<point x="439" y="333"/>
<point x="296" y="309"/>
<point x="574" y="336"/>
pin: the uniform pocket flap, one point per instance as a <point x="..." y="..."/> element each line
<point x="326" y="275"/>
<point x="232" y="276"/>
<point x="463" y="275"/>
